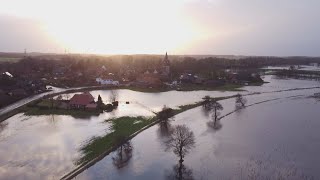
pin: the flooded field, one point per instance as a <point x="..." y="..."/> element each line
<point x="301" y="67"/>
<point x="46" y="147"/>
<point x="271" y="140"/>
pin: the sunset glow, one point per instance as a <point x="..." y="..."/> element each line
<point x="112" y="27"/>
<point x="247" y="27"/>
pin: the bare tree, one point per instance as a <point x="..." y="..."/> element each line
<point x="181" y="141"/>
<point x="240" y="101"/>
<point x="210" y="104"/>
<point x="216" y="107"/>
<point x="113" y="96"/>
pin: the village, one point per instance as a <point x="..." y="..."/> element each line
<point x="31" y="76"/>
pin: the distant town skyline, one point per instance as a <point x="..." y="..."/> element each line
<point x="192" y="27"/>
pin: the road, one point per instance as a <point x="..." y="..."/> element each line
<point x="27" y="100"/>
<point x="32" y="98"/>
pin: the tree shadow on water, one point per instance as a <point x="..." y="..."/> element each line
<point x="215" y="125"/>
<point x="122" y="155"/>
<point x="206" y="112"/>
<point x="165" y="129"/>
<point x="179" y="172"/>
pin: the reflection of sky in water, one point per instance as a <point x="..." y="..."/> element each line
<point x="41" y="147"/>
<point x="301" y="67"/>
<point x="282" y="134"/>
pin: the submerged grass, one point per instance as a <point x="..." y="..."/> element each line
<point x="34" y="111"/>
<point x="226" y="87"/>
<point x="121" y="129"/>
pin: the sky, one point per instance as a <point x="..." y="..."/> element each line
<point x="217" y="27"/>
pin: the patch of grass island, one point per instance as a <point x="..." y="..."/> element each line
<point x="121" y="129"/>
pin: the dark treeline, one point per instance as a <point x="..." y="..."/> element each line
<point x="144" y="62"/>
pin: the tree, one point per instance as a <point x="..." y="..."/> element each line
<point x="240" y="101"/>
<point x="210" y="104"/>
<point x="206" y="102"/>
<point x="216" y="107"/>
<point x="99" y="102"/>
<point x="181" y="141"/>
<point x="165" y="113"/>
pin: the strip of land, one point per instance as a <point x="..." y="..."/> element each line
<point x="19" y="107"/>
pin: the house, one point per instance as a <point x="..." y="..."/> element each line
<point x="150" y="80"/>
<point x="106" y="81"/>
<point x="244" y="78"/>
<point x="82" y="101"/>
<point x="188" y="78"/>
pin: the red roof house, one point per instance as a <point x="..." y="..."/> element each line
<point x="79" y="101"/>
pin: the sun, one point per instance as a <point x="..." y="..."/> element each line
<point x="121" y="28"/>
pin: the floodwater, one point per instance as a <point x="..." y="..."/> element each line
<point x="278" y="139"/>
<point x="301" y="67"/>
<point x="46" y="147"/>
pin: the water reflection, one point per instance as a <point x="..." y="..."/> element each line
<point x="215" y="125"/>
<point x="165" y="129"/>
<point x="180" y="172"/>
<point x="123" y="155"/>
<point x="51" y="120"/>
<point x="205" y="111"/>
<point x="3" y="126"/>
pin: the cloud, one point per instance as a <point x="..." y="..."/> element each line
<point x="16" y="34"/>
<point x="249" y="27"/>
<point x="256" y="27"/>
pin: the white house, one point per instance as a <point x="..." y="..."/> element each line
<point x="106" y="81"/>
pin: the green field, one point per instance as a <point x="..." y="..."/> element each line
<point x="121" y="128"/>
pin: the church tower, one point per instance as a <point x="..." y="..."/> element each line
<point x="166" y="65"/>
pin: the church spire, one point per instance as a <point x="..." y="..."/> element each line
<point x="166" y="60"/>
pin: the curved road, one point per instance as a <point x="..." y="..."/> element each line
<point x="32" y="98"/>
